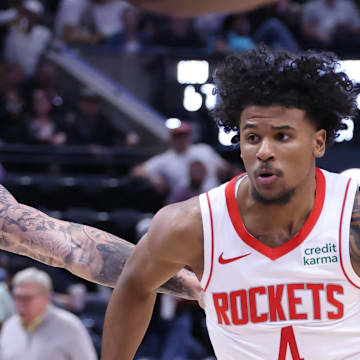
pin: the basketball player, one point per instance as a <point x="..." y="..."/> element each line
<point x="194" y="8"/>
<point x="281" y="279"/>
<point x="276" y="250"/>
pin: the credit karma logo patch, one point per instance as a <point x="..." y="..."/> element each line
<point x="320" y="255"/>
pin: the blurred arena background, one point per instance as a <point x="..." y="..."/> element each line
<point x="92" y="89"/>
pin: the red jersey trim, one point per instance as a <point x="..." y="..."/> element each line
<point x="340" y="237"/>
<point x="212" y="242"/>
<point x="275" y="253"/>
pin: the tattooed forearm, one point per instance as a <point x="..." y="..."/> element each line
<point x="13" y="229"/>
<point x="114" y="253"/>
<point x="111" y="252"/>
<point x="184" y="284"/>
<point x="85" y="251"/>
<point x="355" y="235"/>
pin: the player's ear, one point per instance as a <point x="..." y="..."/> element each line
<point x="319" y="143"/>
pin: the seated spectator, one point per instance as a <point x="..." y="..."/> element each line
<point x="132" y="38"/>
<point x="89" y="21"/>
<point x="107" y="17"/>
<point x="27" y="39"/>
<point x="180" y="33"/>
<point x="89" y="126"/>
<point x="235" y="35"/>
<point x="275" y="34"/>
<point x="329" y="23"/>
<point x="272" y="32"/>
<point x="46" y="79"/>
<point x="72" y="22"/>
<point x="40" y="126"/>
<point x="277" y="25"/>
<point x="40" y="330"/>
<point x="12" y="101"/>
<point x="169" y="170"/>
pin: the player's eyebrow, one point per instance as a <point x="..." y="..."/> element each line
<point x="283" y="127"/>
<point x="280" y="127"/>
<point x="249" y="126"/>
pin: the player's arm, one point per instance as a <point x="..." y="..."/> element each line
<point x="174" y="239"/>
<point x="355" y="235"/>
<point x="194" y="8"/>
<point x="85" y="251"/>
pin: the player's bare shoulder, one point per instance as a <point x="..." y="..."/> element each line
<point x="355" y="235"/>
<point x="177" y="230"/>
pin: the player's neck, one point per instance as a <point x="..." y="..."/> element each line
<point x="278" y="223"/>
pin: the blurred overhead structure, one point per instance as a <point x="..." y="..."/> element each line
<point x="130" y="112"/>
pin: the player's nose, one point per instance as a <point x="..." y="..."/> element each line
<point x="265" y="151"/>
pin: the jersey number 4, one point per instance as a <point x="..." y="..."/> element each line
<point x="288" y="338"/>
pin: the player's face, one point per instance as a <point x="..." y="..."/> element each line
<point x="279" y="146"/>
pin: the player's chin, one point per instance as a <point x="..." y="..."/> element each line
<point x="272" y="196"/>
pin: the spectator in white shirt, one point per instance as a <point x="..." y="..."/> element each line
<point x="89" y="21"/>
<point x="322" y="19"/>
<point x="107" y="16"/>
<point x="27" y="39"/>
<point x="41" y="331"/>
<point x="69" y="17"/>
<point x="170" y="170"/>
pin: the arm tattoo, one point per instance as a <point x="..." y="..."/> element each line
<point x="184" y="284"/>
<point x="106" y="254"/>
<point x="355" y="235"/>
<point x="87" y="252"/>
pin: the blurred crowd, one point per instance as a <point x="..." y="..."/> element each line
<point x="32" y="25"/>
<point x="34" y="109"/>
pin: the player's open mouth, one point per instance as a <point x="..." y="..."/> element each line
<point x="266" y="178"/>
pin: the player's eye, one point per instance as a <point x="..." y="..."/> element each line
<point x="253" y="138"/>
<point x="283" y="136"/>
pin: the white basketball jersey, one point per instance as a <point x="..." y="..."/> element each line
<point x="299" y="301"/>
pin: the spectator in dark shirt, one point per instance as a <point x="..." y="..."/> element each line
<point x="41" y="126"/>
<point x="45" y="78"/>
<point x="236" y="35"/>
<point x="12" y="100"/>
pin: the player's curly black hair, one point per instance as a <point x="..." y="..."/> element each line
<point x="308" y="81"/>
